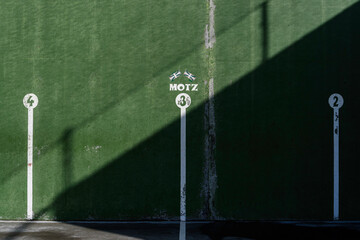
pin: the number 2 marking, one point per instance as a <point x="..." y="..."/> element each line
<point x="336" y="101"/>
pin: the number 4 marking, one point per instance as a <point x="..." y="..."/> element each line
<point x="30" y="101"/>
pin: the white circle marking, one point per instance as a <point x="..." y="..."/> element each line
<point x="30" y="101"/>
<point x="336" y="101"/>
<point x="183" y="100"/>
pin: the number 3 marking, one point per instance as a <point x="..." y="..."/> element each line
<point x="182" y="101"/>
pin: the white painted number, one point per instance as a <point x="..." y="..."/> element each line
<point x="30" y="101"/>
<point x="183" y="100"/>
<point x="336" y="101"/>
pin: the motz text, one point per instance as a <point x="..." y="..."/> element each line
<point x="184" y="87"/>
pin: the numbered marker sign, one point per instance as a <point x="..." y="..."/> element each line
<point x="336" y="101"/>
<point x="30" y="101"/>
<point x="183" y="100"/>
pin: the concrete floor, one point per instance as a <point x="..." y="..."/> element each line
<point x="172" y="230"/>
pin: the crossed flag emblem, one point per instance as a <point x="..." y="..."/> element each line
<point x="177" y="74"/>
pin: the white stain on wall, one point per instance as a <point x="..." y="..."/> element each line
<point x="210" y="38"/>
<point x="94" y="149"/>
<point x="209" y="183"/>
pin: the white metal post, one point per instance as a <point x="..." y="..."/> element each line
<point x="30" y="101"/>
<point x="336" y="163"/>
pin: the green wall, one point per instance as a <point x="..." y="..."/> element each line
<point x="274" y="123"/>
<point x="107" y="130"/>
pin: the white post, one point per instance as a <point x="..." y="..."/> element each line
<point x="183" y="166"/>
<point x="30" y="102"/>
<point x="182" y="232"/>
<point x="183" y="101"/>
<point x="336" y="164"/>
<point x="336" y="101"/>
<point x="30" y="167"/>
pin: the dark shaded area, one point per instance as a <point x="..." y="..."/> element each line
<point x="67" y="140"/>
<point x="155" y="230"/>
<point x="274" y="129"/>
<point x="273" y="230"/>
<point x="194" y="230"/>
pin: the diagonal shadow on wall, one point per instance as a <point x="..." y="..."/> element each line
<point x="274" y="143"/>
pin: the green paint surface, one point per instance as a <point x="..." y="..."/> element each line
<point x="107" y="130"/>
<point x="100" y="70"/>
<point x="278" y="63"/>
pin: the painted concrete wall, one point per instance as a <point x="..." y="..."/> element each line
<point x="274" y="123"/>
<point x="107" y="130"/>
